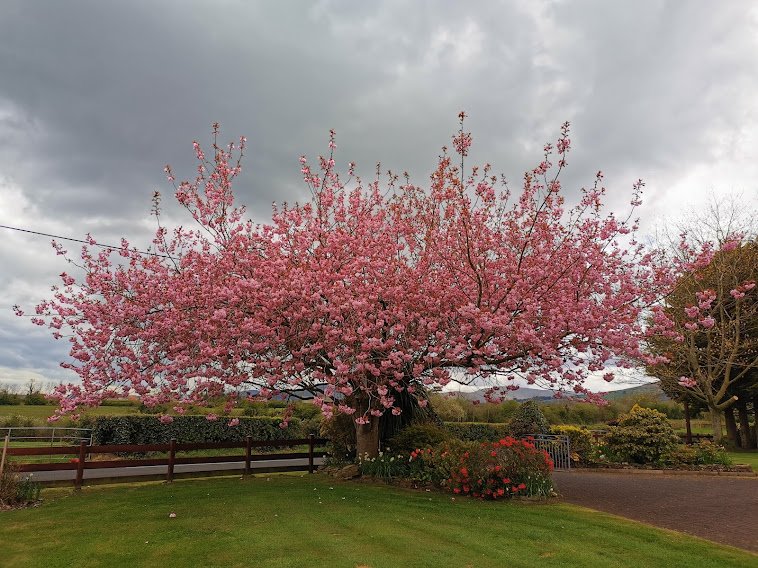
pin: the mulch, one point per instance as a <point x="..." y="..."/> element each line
<point x="722" y="509"/>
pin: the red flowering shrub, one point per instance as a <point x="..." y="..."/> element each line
<point x="491" y="470"/>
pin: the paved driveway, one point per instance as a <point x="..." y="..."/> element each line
<point x="719" y="508"/>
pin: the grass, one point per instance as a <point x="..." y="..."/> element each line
<point x="749" y="457"/>
<point x="43" y="412"/>
<point x="697" y="425"/>
<point x="293" y="521"/>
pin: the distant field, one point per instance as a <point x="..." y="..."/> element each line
<point x="699" y="426"/>
<point x="43" y="412"/>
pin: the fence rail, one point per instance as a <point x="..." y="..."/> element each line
<point x="46" y="434"/>
<point x="84" y="451"/>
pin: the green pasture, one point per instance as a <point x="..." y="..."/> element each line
<point x="41" y="413"/>
<point x="300" y="520"/>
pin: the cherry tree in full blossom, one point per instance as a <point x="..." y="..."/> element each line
<point x="370" y="290"/>
<point x="704" y="337"/>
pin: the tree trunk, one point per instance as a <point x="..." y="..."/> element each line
<point x="367" y="438"/>
<point x="716" y="424"/>
<point x="754" y="437"/>
<point x="688" y="422"/>
<point x="744" y="424"/>
<point x="731" y="427"/>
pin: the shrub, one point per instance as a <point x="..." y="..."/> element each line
<point x="709" y="453"/>
<point x="477" y="431"/>
<point x="703" y="453"/>
<point x="642" y="436"/>
<point x="580" y="442"/>
<point x="386" y="466"/>
<point x="188" y="429"/>
<point x="495" y="470"/>
<point x="16" y="490"/>
<point x="527" y="420"/>
<point x="340" y="431"/>
<point x="8" y="398"/>
<point x="415" y="436"/>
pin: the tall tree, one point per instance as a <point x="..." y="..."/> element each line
<point x="362" y="294"/>
<point x="705" y="336"/>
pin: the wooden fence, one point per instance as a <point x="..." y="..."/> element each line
<point x="83" y="452"/>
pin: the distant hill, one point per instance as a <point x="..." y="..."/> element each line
<point x="524" y="393"/>
<point x="652" y="391"/>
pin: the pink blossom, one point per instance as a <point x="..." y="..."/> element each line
<point x="234" y="422"/>
<point x="166" y="419"/>
<point x="692" y="311"/>
<point x="708" y="322"/>
<point x="211" y="417"/>
<point x="737" y="294"/>
<point x="687" y="382"/>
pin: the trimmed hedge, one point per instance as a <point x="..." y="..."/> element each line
<point x="188" y="429"/>
<point x="477" y="431"/>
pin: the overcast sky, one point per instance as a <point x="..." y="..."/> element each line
<point x="96" y="97"/>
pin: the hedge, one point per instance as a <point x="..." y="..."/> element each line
<point x="477" y="431"/>
<point x="188" y="429"/>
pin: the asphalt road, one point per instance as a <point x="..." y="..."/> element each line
<point x="723" y="509"/>
<point x="66" y="475"/>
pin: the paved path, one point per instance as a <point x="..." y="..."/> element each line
<point x="65" y="475"/>
<point x="719" y="508"/>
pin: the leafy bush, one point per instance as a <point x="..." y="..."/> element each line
<point x="582" y="413"/>
<point x="8" y="398"/>
<point x="703" y="453"/>
<point x="16" y="490"/>
<point x="340" y="431"/>
<point x="580" y="442"/>
<point x="642" y="436"/>
<point x="493" y="470"/>
<point x="188" y="429"/>
<point x="424" y="435"/>
<point x="386" y="466"/>
<point x="477" y="431"/>
<point x="527" y="420"/>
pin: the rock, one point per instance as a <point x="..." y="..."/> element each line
<point x="348" y="472"/>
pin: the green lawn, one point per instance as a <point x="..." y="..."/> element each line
<point x="299" y="520"/>
<point x="748" y="457"/>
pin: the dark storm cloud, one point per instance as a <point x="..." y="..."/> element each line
<point x="96" y="97"/>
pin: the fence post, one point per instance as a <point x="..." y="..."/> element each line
<point x="248" y="448"/>
<point x="310" y="452"/>
<point x="171" y="458"/>
<point x="80" y="465"/>
<point x="5" y="450"/>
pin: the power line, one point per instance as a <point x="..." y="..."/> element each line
<point x="109" y="247"/>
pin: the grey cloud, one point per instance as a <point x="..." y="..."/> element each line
<point x="97" y="96"/>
